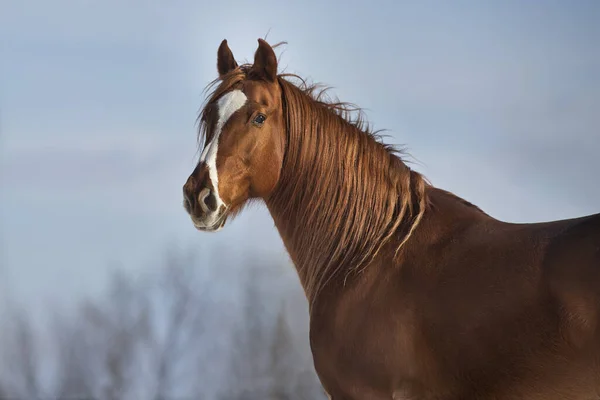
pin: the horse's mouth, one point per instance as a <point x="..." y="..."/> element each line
<point x="216" y="226"/>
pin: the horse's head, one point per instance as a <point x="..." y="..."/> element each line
<point x="244" y="142"/>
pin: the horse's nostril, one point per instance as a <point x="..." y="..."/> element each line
<point x="207" y="200"/>
<point x="187" y="203"/>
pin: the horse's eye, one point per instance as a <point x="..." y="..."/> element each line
<point x="259" y="119"/>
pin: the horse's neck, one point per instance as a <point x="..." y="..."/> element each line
<point x="305" y="251"/>
<point x="309" y="246"/>
<point x="323" y="230"/>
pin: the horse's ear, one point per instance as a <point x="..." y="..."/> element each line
<point x="265" y="62"/>
<point x="225" y="60"/>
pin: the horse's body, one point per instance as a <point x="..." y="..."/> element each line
<point x="414" y="293"/>
<point x="474" y="309"/>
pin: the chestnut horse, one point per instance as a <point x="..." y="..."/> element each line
<point x="413" y="292"/>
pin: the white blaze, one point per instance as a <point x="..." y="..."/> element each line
<point x="226" y="106"/>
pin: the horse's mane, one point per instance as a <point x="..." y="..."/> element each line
<point x="338" y="181"/>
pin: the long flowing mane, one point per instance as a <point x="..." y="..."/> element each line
<point x="338" y="180"/>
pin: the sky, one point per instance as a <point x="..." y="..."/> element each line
<point x="498" y="103"/>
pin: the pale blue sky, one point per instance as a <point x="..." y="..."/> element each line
<point x="499" y="103"/>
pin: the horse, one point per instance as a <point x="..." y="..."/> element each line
<point x="413" y="292"/>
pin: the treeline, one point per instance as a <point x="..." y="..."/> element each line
<point x="184" y="330"/>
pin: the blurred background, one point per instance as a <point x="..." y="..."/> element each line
<point x="108" y="291"/>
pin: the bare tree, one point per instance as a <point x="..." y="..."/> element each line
<point x="249" y="347"/>
<point x="183" y="321"/>
<point x="75" y="377"/>
<point x="3" y="394"/>
<point x="282" y="366"/>
<point x="265" y="361"/>
<point x="20" y="354"/>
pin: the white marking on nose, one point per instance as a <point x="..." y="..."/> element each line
<point x="226" y="106"/>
